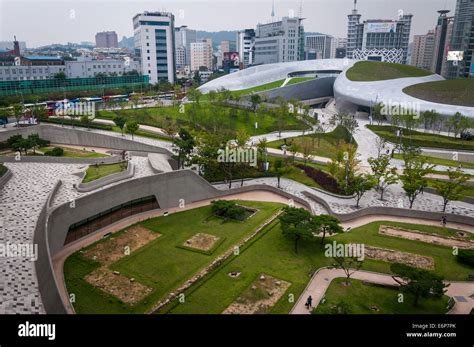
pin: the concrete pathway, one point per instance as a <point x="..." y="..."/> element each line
<point x="323" y="277"/>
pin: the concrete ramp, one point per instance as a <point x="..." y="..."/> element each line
<point x="159" y="162"/>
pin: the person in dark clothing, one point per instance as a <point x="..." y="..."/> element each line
<point x="444" y="221"/>
<point x="309" y="302"/>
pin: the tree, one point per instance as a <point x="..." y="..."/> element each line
<point x="279" y="168"/>
<point x="17" y="111"/>
<point x="306" y="149"/>
<point x="295" y="224"/>
<point x="377" y="112"/>
<point x="359" y="185"/>
<point x="60" y="76"/>
<point x="135" y="99"/>
<point x="35" y="142"/>
<point x="120" y="122"/>
<point x="262" y="148"/>
<point x="458" y="124"/>
<point x="171" y="129"/>
<point x="345" y="164"/>
<point x="383" y="174"/>
<point x="185" y="144"/>
<point x="349" y="265"/>
<point x="85" y="120"/>
<point x="255" y="100"/>
<point x="132" y="127"/>
<point x="326" y="224"/>
<point x="429" y="119"/>
<point x="414" y="175"/>
<point x="451" y="190"/>
<point x="418" y="282"/>
<point x="194" y="95"/>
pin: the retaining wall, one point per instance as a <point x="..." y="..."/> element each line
<point x="104" y="181"/>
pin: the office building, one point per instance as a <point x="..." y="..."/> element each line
<point x="442" y="40"/>
<point x="319" y="46"/>
<point x="279" y="42"/>
<point x="106" y="39"/>
<point x="201" y="55"/>
<point x="462" y="41"/>
<point x="154" y="45"/>
<point x="378" y="39"/>
<point x="246" y="47"/>
<point x="423" y="50"/>
<point x="183" y="39"/>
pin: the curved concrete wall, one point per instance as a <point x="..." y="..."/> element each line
<point x="6" y="177"/>
<point x="267" y="73"/>
<point x="104" y="181"/>
<point x="61" y="160"/>
<point x="69" y="136"/>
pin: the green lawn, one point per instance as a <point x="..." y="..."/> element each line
<point x="274" y="255"/>
<point x="296" y="80"/>
<point x="327" y="146"/>
<point x="454" y="92"/>
<point x="421" y="139"/>
<point x="360" y="297"/>
<point x="94" y="172"/>
<point x="366" y="71"/>
<point x="261" y="88"/>
<point x="75" y="153"/>
<point x="207" y="118"/>
<point x="441" y="161"/>
<point x="161" y="264"/>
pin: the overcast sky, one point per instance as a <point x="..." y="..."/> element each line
<point x="41" y="22"/>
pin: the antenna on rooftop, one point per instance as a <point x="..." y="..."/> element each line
<point x="273" y="11"/>
<point x="300" y="12"/>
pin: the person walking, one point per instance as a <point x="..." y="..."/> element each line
<point x="309" y="302"/>
<point x="444" y="221"/>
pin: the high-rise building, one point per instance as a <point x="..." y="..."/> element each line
<point x="154" y="45"/>
<point x="279" y="42"/>
<point x="106" y="39"/>
<point x="183" y="39"/>
<point x="318" y="46"/>
<point x="246" y="47"/>
<point x="423" y="50"/>
<point x="442" y="40"/>
<point x="201" y="55"/>
<point x="338" y="49"/>
<point x="378" y="39"/>
<point x="462" y="40"/>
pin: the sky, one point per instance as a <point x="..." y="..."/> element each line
<point x="41" y="22"/>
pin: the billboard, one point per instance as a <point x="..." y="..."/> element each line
<point x="455" y="56"/>
<point x="232" y="58"/>
<point x="382" y="27"/>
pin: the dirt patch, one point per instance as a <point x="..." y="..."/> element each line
<point x="114" y="248"/>
<point x="203" y="242"/>
<point x="259" y="297"/>
<point x="125" y="289"/>
<point x="392" y="256"/>
<point x="425" y="237"/>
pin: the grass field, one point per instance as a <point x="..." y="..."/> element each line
<point x="219" y="290"/>
<point x="258" y="89"/>
<point x="296" y="80"/>
<point x="417" y="138"/>
<point x="160" y="264"/>
<point x="75" y="153"/>
<point x="454" y="92"/>
<point x="366" y="71"/>
<point x="94" y="172"/>
<point x="327" y="145"/>
<point x="361" y="298"/>
<point x="441" y="161"/>
<point x="207" y="118"/>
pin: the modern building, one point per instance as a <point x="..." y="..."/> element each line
<point x="201" y="55"/>
<point x="339" y="43"/>
<point x="462" y="41"/>
<point x="423" y="50"/>
<point x="279" y="42"/>
<point x="246" y="47"/>
<point x="378" y="39"/>
<point x="319" y="46"/>
<point x="183" y="38"/>
<point x="442" y="40"/>
<point x="106" y="39"/>
<point x="154" y="45"/>
<point x="92" y="67"/>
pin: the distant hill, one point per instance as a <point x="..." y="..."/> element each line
<point x="126" y="42"/>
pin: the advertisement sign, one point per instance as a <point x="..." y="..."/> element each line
<point x="455" y="56"/>
<point x="383" y="27"/>
<point x="232" y="57"/>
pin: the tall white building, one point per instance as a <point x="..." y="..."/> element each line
<point x="279" y="42"/>
<point x="246" y="47"/>
<point x="154" y="45"/>
<point x="183" y="37"/>
<point x="201" y="54"/>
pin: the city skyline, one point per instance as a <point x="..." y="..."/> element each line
<point x="80" y="21"/>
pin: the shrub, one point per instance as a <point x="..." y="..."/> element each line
<point x="326" y="181"/>
<point x="228" y="209"/>
<point x="55" y="152"/>
<point x="3" y="170"/>
<point x="466" y="256"/>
